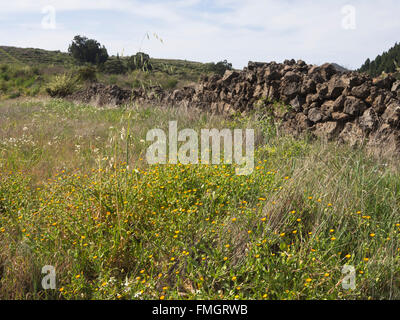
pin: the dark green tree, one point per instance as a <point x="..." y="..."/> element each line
<point x="386" y="62"/>
<point x="219" y="67"/>
<point x="88" y="50"/>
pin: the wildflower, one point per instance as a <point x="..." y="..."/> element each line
<point x="308" y="280"/>
<point x="372" y="235"/>
<point x="366" y="259"/>
<point x="348" y="256"/>
<point x="333" y="238"/>
<point x="234" y="278"/>
<point x="162" y="297"/>
<point x="327" y="274"/>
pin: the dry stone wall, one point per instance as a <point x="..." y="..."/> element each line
<point x="325" y="102"/>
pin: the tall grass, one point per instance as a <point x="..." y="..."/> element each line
<point x="76" y="193"/>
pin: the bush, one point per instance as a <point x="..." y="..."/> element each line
<point x="219" y="67"/>
<point x="61" y="86"/>
<point x="140" y="61"/>
<point x="170" y="83"/>
<point x="115" y="66"/>
<point x="87" y="73"/>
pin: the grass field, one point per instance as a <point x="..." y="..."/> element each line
<point x="76" y="193"/>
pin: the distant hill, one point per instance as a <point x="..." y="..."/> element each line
<point x="339" y="67"/>
<point x="387" y="62"/>
<point x="31" y="56"/>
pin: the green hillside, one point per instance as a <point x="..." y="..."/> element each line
<point x="27" y="71"/>
<point x="38" y="57"/>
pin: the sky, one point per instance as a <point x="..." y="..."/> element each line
<point x="340" y="31"/>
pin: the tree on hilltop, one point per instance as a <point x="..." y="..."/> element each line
<point x="88" y="50"/>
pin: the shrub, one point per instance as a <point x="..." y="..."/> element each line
<point x="170" y="83"/>
<point x="115" y="66"/>
<point x="61" y="86"/>
<point x="87" y="73"/>
<point x="140" y="61"/>
<point x="219" y="67"/>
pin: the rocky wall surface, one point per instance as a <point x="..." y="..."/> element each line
<point x="323" y="101"/>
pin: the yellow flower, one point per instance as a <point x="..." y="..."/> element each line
<point x="327" y="274"/>
<point x="372" y="235"/>
<point x="227" y="246"/>
<point x="366" y="259"/>
<point x="225" y="258"/>
<point x="333" y="238"/>
<point x="308" y="280"/>
<point x="234" y="278"/>
<point x="162" y="297"/>
<point x="348" y="256"/>
<point x="234" y="220"/>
